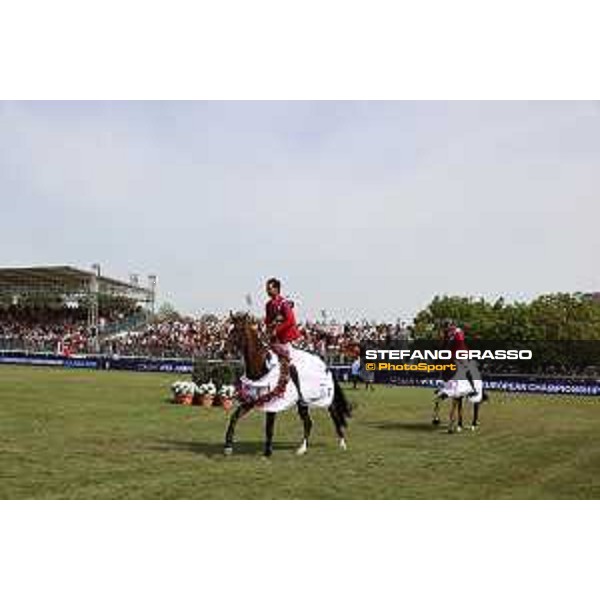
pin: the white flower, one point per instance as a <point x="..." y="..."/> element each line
<point x="208" y="388"/>
<point x="184" y="388"/>
<point x="227" y="391"/>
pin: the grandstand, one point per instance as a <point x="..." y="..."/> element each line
<point x="32" y="291"/>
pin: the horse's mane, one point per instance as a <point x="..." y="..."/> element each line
<point x="245" y="320"/>
<point x="242" y="315"/>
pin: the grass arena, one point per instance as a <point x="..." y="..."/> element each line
<point x="92" y="434"/>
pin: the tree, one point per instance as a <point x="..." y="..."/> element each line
<point x="561" y="317"/>
<point x="167" y="312"/>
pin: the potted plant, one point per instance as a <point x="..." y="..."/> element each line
<point x="207" y="393"/>
<point x="226" y="396"/>
<point x="183" y="392"/>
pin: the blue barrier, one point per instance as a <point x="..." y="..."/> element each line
<point x="147" y="365"/>
<point x="119" y="363"/>
<point x="48" y="360"/>
<point x="525" y="384"/>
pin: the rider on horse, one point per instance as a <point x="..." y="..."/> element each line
<point x="454" y="337"/>
<point x="281" y="327"/>
<point x="454" y="340"/>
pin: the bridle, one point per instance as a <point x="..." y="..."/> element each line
<point x="239" y="331"/>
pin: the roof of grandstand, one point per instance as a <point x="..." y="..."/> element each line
<point x="63" y="279"/>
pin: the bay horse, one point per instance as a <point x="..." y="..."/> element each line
<point x="245" y="338"/>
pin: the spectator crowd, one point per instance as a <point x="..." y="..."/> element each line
<point x="57" y="330"/>
<point x="61" y="330"/>
<point x="208" y="337"/>
<point x="43" y="329"/>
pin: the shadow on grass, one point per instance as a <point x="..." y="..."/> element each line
<point x="387" y="426"/>
<point x="212" y="449"/>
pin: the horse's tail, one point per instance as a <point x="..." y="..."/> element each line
<point x="340" y="404"/>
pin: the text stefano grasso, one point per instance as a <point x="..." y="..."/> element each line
<point x="383" y="354"/>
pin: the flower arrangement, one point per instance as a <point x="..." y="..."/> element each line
<point x="207" y="392"/>
<point x="223" y="375"/>
<point x="226" y="395"/>
<point x="184" y="392"/>
<point x="204" y="394"/>
<point x="227" y="391"/>
<point x="207" y="388"/>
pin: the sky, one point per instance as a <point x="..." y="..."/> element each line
<point x="362" y="209"/>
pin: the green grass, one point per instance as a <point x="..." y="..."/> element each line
<point x="85" y="434"/>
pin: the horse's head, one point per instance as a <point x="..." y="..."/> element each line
<point x="243" y="330"/>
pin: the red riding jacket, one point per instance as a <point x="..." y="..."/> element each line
<point x="455" y="340"/>
<point x="280" y="314"/>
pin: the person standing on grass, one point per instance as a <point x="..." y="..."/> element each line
<point x="355" y="372"/>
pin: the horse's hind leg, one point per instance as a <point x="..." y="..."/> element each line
<point x="455" y="424"/>
<point x="304" y="413"/>
<point x="239" y="412"/>
<point x="435" y="420"/>
<point x="475" y="422"/>
<point x="339" y="427"/>
<point x="451" y="417"/>
<point x="269" y="430"/>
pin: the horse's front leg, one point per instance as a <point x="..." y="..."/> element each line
<point x="307" y="423"/>
<point x="339" y="427"/>
<point x="269" y="430"/>
<point x="239" y="412"/>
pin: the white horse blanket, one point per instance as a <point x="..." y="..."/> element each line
<point x="460" y="386"/>
<point x="316" y="383"/>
